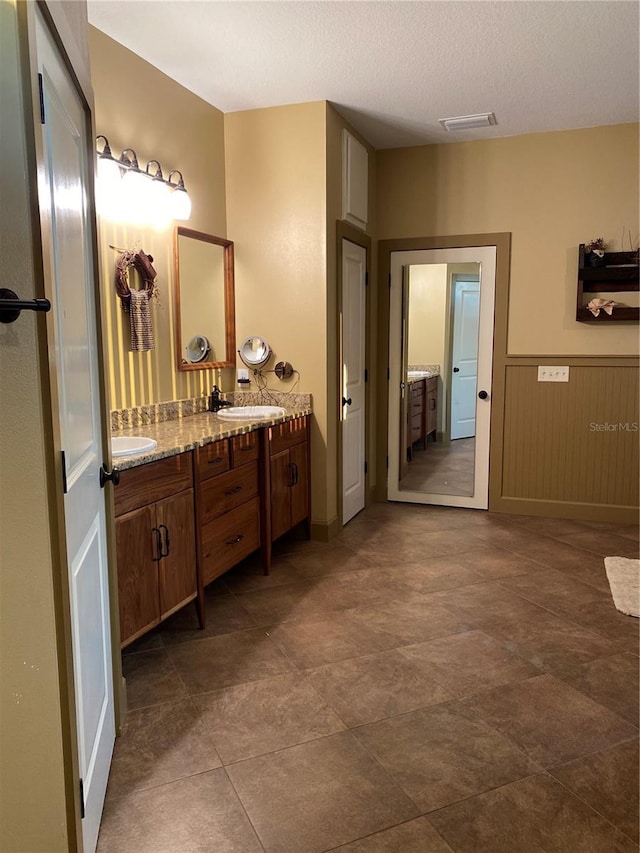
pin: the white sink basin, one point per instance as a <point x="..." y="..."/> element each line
<point x="128" y="445"/>
<point x="251" y="413"/>
<point x="417" y="374"/>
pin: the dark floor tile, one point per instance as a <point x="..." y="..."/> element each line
<point x="223" y="615"/>
<point x="198" y="815"/>
<point x="415" y="836"/>
<point x="528" y="816"/>
<point x="327" y="638"/>
<point x="160" y="744"/>
<point x="397" y="549"/>
<point x="581" y="564"/>
<point x="612" y="682"/>
<point x="146" y="643"/>
<point x="491" y="562"/>
<point x="608" y="782"/>
<point x="411" y="620"/>
<point x="431" y="574"/>
<point x="318" y="795"/>
<point x="443" y="754"/>
<point x="484" y="602"/>
<point x="375" y="686"/>
<point x="230" y="659"/>
<point x="262" y="716"/>
<point x="553" y="527"/>
<point x="602" y="618"/>
<point x="550" y="642"/>
<point x="604" y="543"/>
<point x="466" y="663"/>
<point x="331" y="559"/>
<point x="551" y="721"/>
<point x="553" y="590"/>
<point x="151" y="678"/>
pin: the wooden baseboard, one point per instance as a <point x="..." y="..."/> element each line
<point x="324" y="531"/>
<point x="564" y="509"/>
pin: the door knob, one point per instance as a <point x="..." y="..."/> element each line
<point x="483" y="395"/>
<point x="456" y="370"/>
<point x="346" y="402"/>
<point x="105" y="476"/>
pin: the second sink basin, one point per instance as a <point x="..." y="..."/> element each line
<point x="251" y="413"/>
<point x="127" y="445"/>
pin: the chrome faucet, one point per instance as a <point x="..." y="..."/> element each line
<point x="215" y="402"/>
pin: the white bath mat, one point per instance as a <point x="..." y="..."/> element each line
<point x="623" y="575"/>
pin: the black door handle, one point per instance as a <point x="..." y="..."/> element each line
<point x="105" y="476"/>
<point x="11" y="305"/>
<point x="295" y="474"/>
<point x="456" y="370"/>
<point x="158" y="545"/>
<point x="483" y="395"/>
<point x="346" y="402"/>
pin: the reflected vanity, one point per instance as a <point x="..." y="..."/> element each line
<point x="204" y="291"/>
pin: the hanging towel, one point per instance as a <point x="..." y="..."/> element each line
<point x="140" y="317"/>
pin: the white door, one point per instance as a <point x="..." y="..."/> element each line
<point x="464" y="358"/>
<point x="62" y="182"/>
<point x="354" y="277"/>
<point x="486" y="257"/>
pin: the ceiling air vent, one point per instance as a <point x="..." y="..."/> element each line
<point x="468" y="122"/>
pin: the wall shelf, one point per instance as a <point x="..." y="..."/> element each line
<point x="611" y="278"/>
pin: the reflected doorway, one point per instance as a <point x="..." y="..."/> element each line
<point x="441" y="346"/>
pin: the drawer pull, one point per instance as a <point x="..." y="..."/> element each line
<point x="166" y="551"/>
<point x="235" y="541"/>
<point x="234" y="490"/>
<point x="248" y="447"/>
<point x="216" y="460"/>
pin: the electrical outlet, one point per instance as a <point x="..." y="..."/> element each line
<point x="552" y="373"/>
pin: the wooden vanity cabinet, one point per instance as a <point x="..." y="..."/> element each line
<point x="155" y="543"/>
<point x="431" y="406"/>
<point x="227" y="484"/>
<point x="287" y="478"/>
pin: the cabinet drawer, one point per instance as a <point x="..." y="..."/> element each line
<point x="221" y="494"/>
<point x="213" y="459"/>
<point x="416" y="428"/>
<point x="229" y="539"/>
<point x="287" y="434"/>
<point x="417" y="389"/>
<point x="152" y="482"/>
<point x="244" y="448"/>
<point x="417" y="405"/>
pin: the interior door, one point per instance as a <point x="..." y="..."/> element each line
<point x="464" y="359"/>
<point x="354" y="271"/>
<point x="63" y="179"/>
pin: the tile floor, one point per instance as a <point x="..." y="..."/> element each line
<point x="435" y="680"/>
<point x="442" y="469"/>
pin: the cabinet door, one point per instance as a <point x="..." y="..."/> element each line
<point x="281" y="480"/>
<point x="137" y="573"/>
<point x="177" y="570"/>
<point x="299" y="491"/>
<point x="432" y="411"/>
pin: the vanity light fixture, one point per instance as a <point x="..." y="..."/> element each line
<point x="125" y="191"/>
<point x="180" y="204"/>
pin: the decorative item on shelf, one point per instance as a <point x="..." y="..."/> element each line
<point x="125" y="191"/>
<point x="598" y="304"/>
<point x="136" y="302"/>
<point x="594" y="252"/>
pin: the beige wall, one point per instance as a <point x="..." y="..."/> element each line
<point x="139" y="107"/>
<point x="427" y="313"/>
<point x="276" y="214"/>
<point x="32" y="796"/>
<point x="552" y="191"/>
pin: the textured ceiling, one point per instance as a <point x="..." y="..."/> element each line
<point x="394" y="68"/>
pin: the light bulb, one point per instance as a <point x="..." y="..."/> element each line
<point x="180" y="204"/>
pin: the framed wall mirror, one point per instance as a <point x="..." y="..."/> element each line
<point x="205" y="301"/>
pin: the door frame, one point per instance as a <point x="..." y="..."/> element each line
<point x="349" y="232"/>
<point x="62" y="35"/>
<point x="502" y="242"/>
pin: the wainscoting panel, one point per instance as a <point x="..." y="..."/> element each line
<point x="571" y="443"/>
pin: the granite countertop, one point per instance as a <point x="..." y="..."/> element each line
<point x="182" y="434"/>
<point x="424" y="374"/>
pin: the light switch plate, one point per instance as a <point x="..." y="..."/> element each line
<point x="552" y="373"/>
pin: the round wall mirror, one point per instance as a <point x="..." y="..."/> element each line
<point x="254" y="351"/>
<point x="198" y="349"/>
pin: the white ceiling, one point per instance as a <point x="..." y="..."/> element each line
<point x="394" y="68"/>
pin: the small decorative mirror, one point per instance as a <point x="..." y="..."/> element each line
<point x="205" y="310"/>
<point x="254" y="351"/>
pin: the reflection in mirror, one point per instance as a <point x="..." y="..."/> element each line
<point x="254" y="351"/>
<point x="441" y="305"/>
<point x="205" y="311"/>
